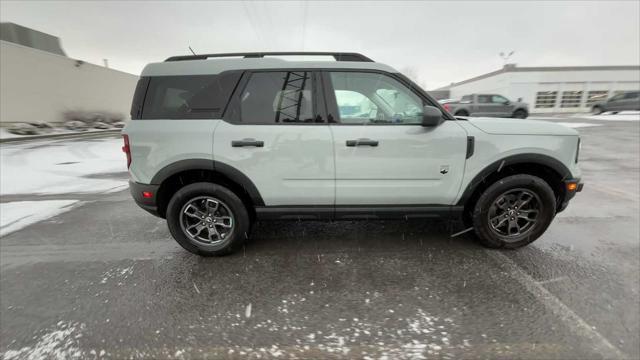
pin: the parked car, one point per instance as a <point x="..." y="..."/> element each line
<point x="627" y="100"/>
<point x="23" y="129"/>
<point x="221" y="144"/>
<point x="490" y="105"/>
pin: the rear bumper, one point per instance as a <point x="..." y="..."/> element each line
<point x="569" y="194"/>
<point x="147" y="203"/>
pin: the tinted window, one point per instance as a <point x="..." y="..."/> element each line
<point x="188" y="97"/>
<point x="277" y="97"/>
<point x="365" y="98"/>
<point x="631" y="95"/>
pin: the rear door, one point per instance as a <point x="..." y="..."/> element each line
<point x="483" y="106"/>
<point x="274" y="134"/>
<point x="383" y="156"/>
<point x="631" y="100"/>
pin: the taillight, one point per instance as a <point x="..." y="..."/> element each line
<point x="447" y="107"/>
<point x="127" y="149"/>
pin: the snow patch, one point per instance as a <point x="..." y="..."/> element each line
<point x="578" y="124"/>
<point x="20" y="214"/>
<point x="621" y="116"/>
<point x="117" y="273"/>
<point x="59" y="343"/>
<point x="61" y="167"/>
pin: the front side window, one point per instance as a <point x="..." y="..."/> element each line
<point x="497" y="99"/>
<point x="631" y="95"/>
<point x="277" y="97"/>
<point x="371" y="98"/>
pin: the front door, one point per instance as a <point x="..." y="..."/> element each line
<point x="383" y="156"/>
<point x="274" y="135"/>
<point x="501" y="106"/>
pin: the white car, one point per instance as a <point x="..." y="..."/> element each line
<point x="216" y="143"/>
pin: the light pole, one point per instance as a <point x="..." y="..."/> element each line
<point x="505" y="57"/>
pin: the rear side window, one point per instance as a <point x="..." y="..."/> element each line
<point x="187" y="96"/>
<point x="277" y="97"/>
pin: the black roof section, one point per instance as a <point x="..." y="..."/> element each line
<point x="339" y="56"/>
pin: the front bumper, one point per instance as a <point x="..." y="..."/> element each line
<point x="571" y="187"/>
<point x="147" y="203"/>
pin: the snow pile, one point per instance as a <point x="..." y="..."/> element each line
<point x="577" y="124"/>
<point x="60" y="343"/>
<point x="61" y="167"/>
<point x="621" y="116"/>
<point x="17" y="215"/>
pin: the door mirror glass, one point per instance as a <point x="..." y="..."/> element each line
<point x="431" y="116"/>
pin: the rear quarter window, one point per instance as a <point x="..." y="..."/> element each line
<point x="184" y="96"/>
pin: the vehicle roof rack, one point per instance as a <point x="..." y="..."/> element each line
<point x="339" y="56"/>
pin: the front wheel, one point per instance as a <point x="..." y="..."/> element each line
<point x="514" y="211"/>
<point x="596" y="110"/>
<point x="208" y="219"/>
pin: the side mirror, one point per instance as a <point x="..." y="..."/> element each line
<point x="431" y="116"/>
<point x="507" y="102"/>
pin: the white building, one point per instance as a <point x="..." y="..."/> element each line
<point x="551" y="89"/>
<point x="38" y="83"/>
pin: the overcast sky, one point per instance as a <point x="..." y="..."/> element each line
<point x="442" y="42"/>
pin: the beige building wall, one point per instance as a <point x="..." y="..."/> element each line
<point x="40" y="86"/>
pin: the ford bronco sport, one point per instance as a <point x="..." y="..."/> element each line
<point x="219" y="141"/>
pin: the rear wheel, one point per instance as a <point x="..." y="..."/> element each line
<point x="596" y="110"/>
<point x="462" y="113"/>
<point x="514" y="211"/>
<point x="208" y="219"/>
<point x="520" y="114"/>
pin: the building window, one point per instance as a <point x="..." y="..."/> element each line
<point x="595" y="96"/>
<point x="571" y="99"/>
<point x="546" y="99"/>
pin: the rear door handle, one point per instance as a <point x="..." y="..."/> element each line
<point x="362" y="142"/>
<point x="247" y="143"/>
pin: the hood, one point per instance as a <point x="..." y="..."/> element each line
<point x="501" y="126"/>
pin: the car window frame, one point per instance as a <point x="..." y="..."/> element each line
<point x="332" y="105"/>
<point x="232" y="112"/>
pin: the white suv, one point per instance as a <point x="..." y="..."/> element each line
<point x="218" y="141"/>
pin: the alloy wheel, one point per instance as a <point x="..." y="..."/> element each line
<point x="207" y="220"/>
<point x="514" y="214"/>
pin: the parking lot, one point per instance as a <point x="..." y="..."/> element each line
<point x="105" y="279"/>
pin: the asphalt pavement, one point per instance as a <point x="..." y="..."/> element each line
<point x="106" y="280"/>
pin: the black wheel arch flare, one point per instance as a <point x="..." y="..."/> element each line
<point x="228" y="171"/>
<point x="518" y="159"/>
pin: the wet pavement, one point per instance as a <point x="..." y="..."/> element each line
<point x="106" y="280"/>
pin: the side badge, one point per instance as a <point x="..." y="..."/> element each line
<point x="444" y="169"/>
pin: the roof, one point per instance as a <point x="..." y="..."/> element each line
<point x="218" y="65"/>
<point x="513" y="68"/>
<point x="25" y="36"/>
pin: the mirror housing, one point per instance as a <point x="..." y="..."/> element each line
<point x="431" y="116"/>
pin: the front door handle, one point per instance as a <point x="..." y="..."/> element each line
<point x="247" y="143"/>
<point x="362" y="142"/>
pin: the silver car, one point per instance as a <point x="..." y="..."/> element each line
<point x="627" y="100"/>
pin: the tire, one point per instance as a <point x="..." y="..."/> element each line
<point x="504" y="192"/>
<point x="194" y="200"/>
<point x="596" y="110"/>
<point x="520" y="114"/>
<point x="462" y="113"/>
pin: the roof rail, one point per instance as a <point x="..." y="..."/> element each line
<point x="336" y="55"/>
